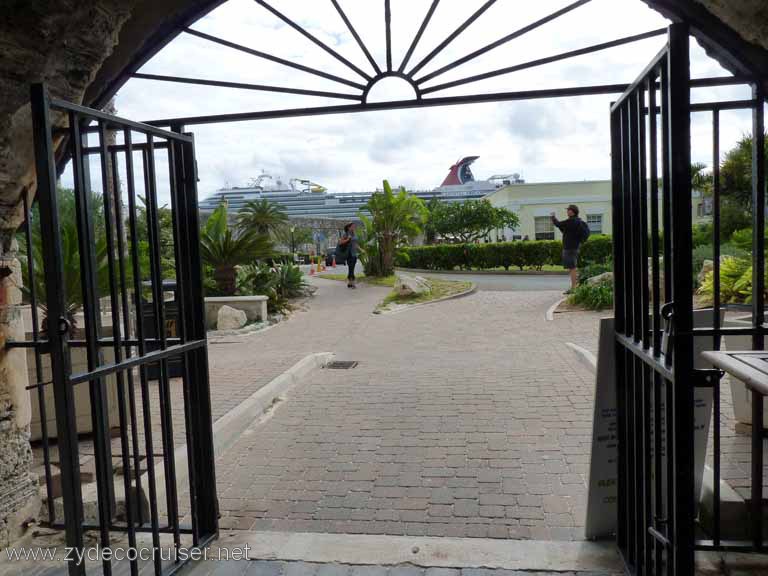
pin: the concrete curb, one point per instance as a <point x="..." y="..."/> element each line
<point x="471" y="290"/>
<point x="228" y="428"/>
<point x="487" y="272"/>
<point x="586" y="357"/>
<point x="550" y="314"/>
<point x="361" y="549"/>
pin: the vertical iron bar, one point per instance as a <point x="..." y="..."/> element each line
<point x="617" y="205"/>
<point x="646" y="539"/>
<point x="758" y="303"/>
<point x="666" y="176"/>
<point x="145" y="395"/>
<point x="658" y="470"/>
<point x="205" y="473"/>
<point x="38" y="360"/>
<point x="166" y="423"/>
<point x="178" y="206"/>
<point x="66" y="424"/>
<point x="682" y="294"/>
<point x="634" y="221"/>
<point x="91" y="311"/>
<point x="654" y="191"/>
<point x="642" y="183"/>
<point x="716" y="317"/>
<point x="629" y="320"/>
<point x="117" y="342"/>
<point x="388" y="26"/>
<point x="617" y="192"/>
<point x="121" y="250"/>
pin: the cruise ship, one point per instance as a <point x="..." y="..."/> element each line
<point x="301" y="198"/>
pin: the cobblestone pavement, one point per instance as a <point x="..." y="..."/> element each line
<point x="277" y="568"/>
<point x="467" y="418"/>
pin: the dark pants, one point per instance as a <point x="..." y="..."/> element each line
<point x="351" y="262"/>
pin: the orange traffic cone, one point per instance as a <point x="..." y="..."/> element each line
<point x="333" y="264"/>
<point x="320" y="265"/>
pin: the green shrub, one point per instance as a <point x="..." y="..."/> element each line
<point x="519" y="254"/>
<point x="592" y="270"/>
<point x="593" y="296"/>
<point x="279" y="283"/>
<point x="597" y="250"/>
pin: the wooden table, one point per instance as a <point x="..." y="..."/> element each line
<point x="749" y="366"/>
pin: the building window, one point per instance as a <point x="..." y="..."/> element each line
<point x="545" y="229"/>
<point x="595" y="223"/>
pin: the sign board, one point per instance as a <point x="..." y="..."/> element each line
<point x="602" y="505"/>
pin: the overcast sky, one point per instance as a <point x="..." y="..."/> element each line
<point x="544" y="140"/>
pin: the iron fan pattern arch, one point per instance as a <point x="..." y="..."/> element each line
<point x="361" y="81"/>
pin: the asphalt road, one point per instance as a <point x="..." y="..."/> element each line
<point x="509" y="282"/>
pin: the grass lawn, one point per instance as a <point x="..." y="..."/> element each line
<point x="385" y="281"/>
<point x="438" y="289"/>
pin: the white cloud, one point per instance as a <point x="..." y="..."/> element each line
<point x="564" y="139"/>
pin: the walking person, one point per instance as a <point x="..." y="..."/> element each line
<point x="350" y="247"/>
<point x="575" y="232"/>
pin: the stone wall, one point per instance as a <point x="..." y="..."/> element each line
<point x="18" y="489"/>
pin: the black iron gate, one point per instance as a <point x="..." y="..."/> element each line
<point x="659" y="527"/>
<point x="123" y="254"/>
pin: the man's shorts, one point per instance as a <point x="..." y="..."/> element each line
<point x="570" y="258"/>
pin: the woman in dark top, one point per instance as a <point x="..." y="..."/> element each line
<point x="349" y="241"/>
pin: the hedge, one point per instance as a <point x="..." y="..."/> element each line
<point x="519" y="254"/>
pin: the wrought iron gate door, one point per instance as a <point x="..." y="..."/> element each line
<point x="651" y="158"/>
<point x="117" y="256"/>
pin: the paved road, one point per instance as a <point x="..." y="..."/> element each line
<point x="510" y="282"/>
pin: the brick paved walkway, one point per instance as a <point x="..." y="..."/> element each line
<point x="467" y="418"/>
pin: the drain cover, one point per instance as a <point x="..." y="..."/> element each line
<point x="341" y="364"/>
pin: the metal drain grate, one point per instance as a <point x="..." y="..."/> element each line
<point x="341" y="364"/>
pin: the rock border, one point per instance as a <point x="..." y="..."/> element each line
<point x="403" y="307"/>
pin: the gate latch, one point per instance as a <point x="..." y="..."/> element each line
<point x="706" y="377"/>
<point x="64" y="326"/>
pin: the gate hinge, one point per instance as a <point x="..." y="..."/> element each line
<point x="706" y="378"/>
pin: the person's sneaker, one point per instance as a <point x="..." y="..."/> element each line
<point x="351" y="286"/>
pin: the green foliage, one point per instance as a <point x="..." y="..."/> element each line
<point x="263" y="216"/>
<point x="733" y="216"/>
<point x="279" y="284"/>
<point x="396" y="219"/>
<point x="706" y="252"/>
<point x="521" y="255"/>
<point x="466" y="222"/>
<point x="70" y="251"/>
<point x="742" y="239"/>
<point x="593" y="296"/>
<point x="736" y="173"/>
<point x="735" y="282"/>
<point x="223" y="248"/>
<point x="166" y="246"/>
<point x="702" y="234"/>
<point x="592" y="270"/>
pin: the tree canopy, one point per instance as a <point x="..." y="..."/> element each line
<point x="469" y="221"/>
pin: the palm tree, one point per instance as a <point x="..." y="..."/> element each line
<point x="263" y="216"/>
<point x="395" y="220"/>
<point x="224" y="248"/>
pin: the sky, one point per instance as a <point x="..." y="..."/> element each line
<point x="563" y="139"/>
